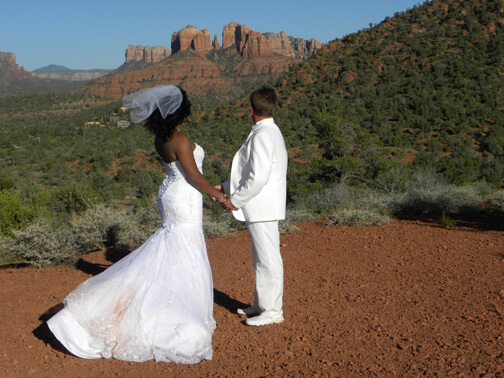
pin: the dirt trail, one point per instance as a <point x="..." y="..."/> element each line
<point x="406" y="299"/>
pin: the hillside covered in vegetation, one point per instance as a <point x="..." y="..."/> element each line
<point x="404" y="108"/>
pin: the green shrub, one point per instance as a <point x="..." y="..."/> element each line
<point x="338" y="196"/>
<point x="447" y="221"/>
<point x="496" y="200"/>
<point x="13" y="214"/>
<point x="40" y="245"/>
<point x="447" y="198"/>
<point x="216" y="225"/>
<point x="357" y="217"/>
<point x="284" y="227"/>
<point x="93" y="228"/>
<point x="6" y="182"/>
<point x="134" y="226"/>
<point x="300" y="214"/>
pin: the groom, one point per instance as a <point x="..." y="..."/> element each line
<point x="257" y="195"/>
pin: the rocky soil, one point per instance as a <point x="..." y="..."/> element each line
<point x="407" y="299"/>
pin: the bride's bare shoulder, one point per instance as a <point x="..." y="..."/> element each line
<point x="181" y="141"/>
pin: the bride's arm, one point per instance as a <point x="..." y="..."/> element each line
<point x="184" y="151"/>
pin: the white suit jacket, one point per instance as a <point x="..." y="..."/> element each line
<point x="258" y="182"/>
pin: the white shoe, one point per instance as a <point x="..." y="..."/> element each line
<point x="249" y="311"/>
<point x="262" y="320"/>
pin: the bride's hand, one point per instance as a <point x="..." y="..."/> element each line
<point x="226" y="204"/>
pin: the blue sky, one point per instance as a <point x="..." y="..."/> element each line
<point x="89" y="34"/>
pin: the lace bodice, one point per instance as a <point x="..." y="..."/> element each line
<point x="178" y="201"/>
<point x="174" y="170"/>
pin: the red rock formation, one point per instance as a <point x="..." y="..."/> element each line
<point x="150" y="54"/>
<point x="201" y="42"/>
<point x="264" y="55"/>
<point x="8" y="58"/>
<point x="255" y="45"/>
<point x="252" y="44"/>
<point x="229" y="34"/>
<point x="134" y="53"/>
<point x="216" y="44"/>
<point x="154" y="54"/>
<point x="249" y="43"/>
<point x="281" y="44"/>
<point x="306" y="47"/>
<point x="9" y="69"/>
<point x="190" y="37"/>
<point x="171" y="72"/>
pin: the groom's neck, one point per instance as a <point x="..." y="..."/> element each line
<point x="258" y="118"/>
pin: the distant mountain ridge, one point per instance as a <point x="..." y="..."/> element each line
<point x="52" y="68"/>
<point x="58" y="68"/>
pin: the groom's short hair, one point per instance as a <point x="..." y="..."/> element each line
<point x="263" y="101"/>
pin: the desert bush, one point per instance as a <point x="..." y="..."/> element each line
<point x="448" y="198"/>
<point x="357" y="217"/>
<point x="216" y="225"/>
<point x="40" y="245"/>
<point x="300" y="214"/>
<point x="13" y="214"/>
<point x="496" y="200"/>
<point x="393" y="181"/>
<point x="426" y="179"/>
<point x="345" y="205"/>
<point x="6" y="183"/>
<point x="93" y="229"/>
<point x="136" y="225"/>
<point x="338" y="196"/>
<point x="483" y="188"/>
<point x="285" y="227"/>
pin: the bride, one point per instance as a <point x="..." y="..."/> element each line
<point x="157" y="302"/>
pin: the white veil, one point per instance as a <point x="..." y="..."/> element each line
<point x="165" y="98"/>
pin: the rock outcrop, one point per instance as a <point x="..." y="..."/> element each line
<point x="205" y="68"/>
<point x="149" y="54"/>
<point x="167" y="72"/>
<point x="191" y="38"/>
<point x="229" y="34"/>
<point x="249" y="44"/>
<point x="216" y="44"/>
<point x="10" y="70"/>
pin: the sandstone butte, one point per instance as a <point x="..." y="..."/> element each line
<point x="10" y="69"/>
<point x="259" y="54"/>
<point x="262" y="54"/>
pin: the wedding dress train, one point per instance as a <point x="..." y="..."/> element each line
<point x="155" y="303"/>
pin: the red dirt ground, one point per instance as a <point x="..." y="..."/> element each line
<point x="406" y="299"/>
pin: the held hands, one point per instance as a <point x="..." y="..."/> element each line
<point x="226" y="204"/>
<point x="224" y="200"/>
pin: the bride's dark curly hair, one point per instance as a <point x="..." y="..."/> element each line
<point x="164" y="128"/>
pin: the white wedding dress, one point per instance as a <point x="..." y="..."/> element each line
<point x="155" y="303"/>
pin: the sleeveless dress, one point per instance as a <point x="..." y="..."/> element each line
<point x="155" y="303"/>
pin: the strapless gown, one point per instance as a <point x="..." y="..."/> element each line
<point x="155" y="303"/>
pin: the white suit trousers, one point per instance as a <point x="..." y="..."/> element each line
<point x="268" y="266"/>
